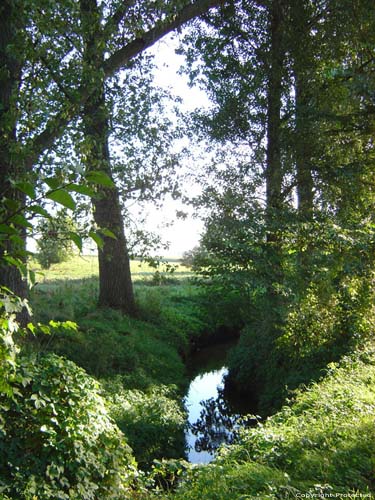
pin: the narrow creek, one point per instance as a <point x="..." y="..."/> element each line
<point x="212" y="415"/>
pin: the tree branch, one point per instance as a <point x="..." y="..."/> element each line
<point x="57" y="124"/>
<point x="120" y="58"/>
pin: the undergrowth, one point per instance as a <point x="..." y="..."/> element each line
<point x="320" y="445"/>
<point x="138" y="361"/>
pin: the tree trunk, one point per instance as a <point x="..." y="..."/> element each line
<point x="303" y="146"/>
<point x="10" y="73"/>
<point x="274" y="173"/>
<point x="273" y="166"/>
<point x="303" y="68"/>
<point x="115" y="284"/>
<point x="303" y="64"/>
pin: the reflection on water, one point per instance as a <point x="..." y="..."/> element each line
<point x="214" y="414"/>
<point x="204" y="387"/>
<point x="216" y="424"/>
<point x="211" y="422"/>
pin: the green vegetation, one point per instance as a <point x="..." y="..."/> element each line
<point x="138" y="361"/>
<point x="54" y="244"/>
<point x="85" y="266"/>
<point x="93" y="373"/>
<point x="321" y="443"/>
<point x="57" y="439"/>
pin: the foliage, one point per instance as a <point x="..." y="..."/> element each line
<point x="57" y="439"/>
<point x="54" y="243"/>
<point x="194" y="258"/>
<point x="10" y="305"/>
<point x="294" y="242"/>
<point x="320" y="443"/>
<point x="152" y="420"/>
<point x="322" y="319"/>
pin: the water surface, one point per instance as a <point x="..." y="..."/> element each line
<point x="203" y="388"/>
<point x="209" y="418"/>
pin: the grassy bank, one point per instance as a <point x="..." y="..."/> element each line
<point x="139" y="362"/>
<point x="86" y="266"/>
<point x="320" y="445"/>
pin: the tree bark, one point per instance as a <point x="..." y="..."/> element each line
<point x="303" y="64"/>
<point x="115" y="284"/>
<point x="10" y="73"/>
<point x="274" y="172"/>
<point x="303" y="69"/>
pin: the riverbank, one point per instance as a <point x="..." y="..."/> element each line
<point x="140" y="363"/>
<point x="322" y="442"/>
<point x="320" y="445"/>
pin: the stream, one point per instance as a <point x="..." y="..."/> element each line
<point x="212" y="415"/>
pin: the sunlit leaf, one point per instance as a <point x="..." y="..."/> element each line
<point x="109" y="233"/>
<point x="62" y="197"/>
<point x="100" y="178"/>
<point x="98" y="240"/>
<point x="76" y="238"/>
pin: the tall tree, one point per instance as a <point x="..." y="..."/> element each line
<point x="11" y="26"/>
<point x="115" y="284"/>
<point x="47" y="47"/>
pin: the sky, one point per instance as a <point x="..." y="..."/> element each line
<point x="184" y="234"/>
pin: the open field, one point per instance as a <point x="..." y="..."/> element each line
<point x="81" y="267"/>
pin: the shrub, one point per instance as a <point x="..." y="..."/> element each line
<point x="54" y="244"/>
<point x="57" y="439"/>
<point x="153" y="420"/>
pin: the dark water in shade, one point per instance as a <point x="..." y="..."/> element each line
<point x="210" y="416"/>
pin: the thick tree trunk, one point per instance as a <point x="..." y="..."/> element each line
<point x="303" y="64"/>
<point x="274" y="173"/>
<point x="115" y="284"/>
<point x="303" y="68"/>
<point x="13" y="244"/>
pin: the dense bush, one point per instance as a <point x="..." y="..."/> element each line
<point x="321" y="324"/>
<point x="57" y="439"/>
<point x="152" y="420"/>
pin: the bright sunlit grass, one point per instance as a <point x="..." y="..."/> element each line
<point x="81" y="267"/>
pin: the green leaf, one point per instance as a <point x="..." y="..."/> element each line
<point x="35" y="209"/>
<point x="13" y="205"/>
<point x="98" y="240"/>
<point x="100" y="178"/>
<point x="62" y="197"/>
<point x="32" y="328"/>
<point x="21" y="266"/>
<point x="109" y="233"/>
<point x="17" y="240"/>
<point x="76" y="238"/>
<point x="52" y="182"/>
<point x="27" y="188"/>
<point x="5" y="228"/>
<point x="20" y="220"/>
<point x="32" y="276"/>
<point x="81" y="189"/>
